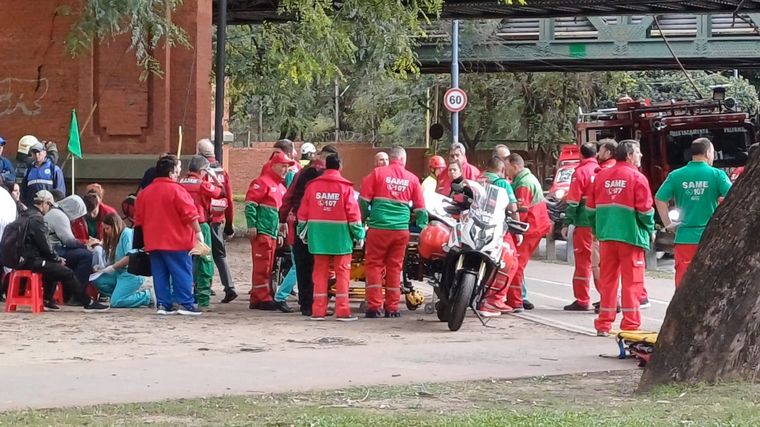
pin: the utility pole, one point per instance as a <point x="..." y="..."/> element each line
<point x="454" y="76"/>
<point x="221" y="59"/>
<point x="337" y="110"/>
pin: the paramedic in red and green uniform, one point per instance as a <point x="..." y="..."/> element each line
<point x="577" y="215"/>
<point x="494" y="304"/>
<point x="532" y="208"/>
<point x="385" y="199"/>
<point x="696" y="189"/>
<point x="263" y="200"/>
<point x="330" y="218"/>
<point x="622" y="218"/>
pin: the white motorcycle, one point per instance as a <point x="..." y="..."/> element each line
<point x="464" y="247"/>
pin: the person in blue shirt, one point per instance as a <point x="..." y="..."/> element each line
<point x="7" y="170"/>
<point x="42" y="174"/>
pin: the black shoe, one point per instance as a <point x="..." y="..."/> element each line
<point x="392" y="314"/>
<point x="266" y="306"/>
<point x="229" y="296"/>
<point x="373" y="314"/>
<point x="95" y="307"/>
<point x="50" y="306"/>
<point x="596" y="307"/>
<point x="283" y="306"/>
<point x="576" y="306"/>
<point x="306" y="312"/>
<point x="528" y="305"/>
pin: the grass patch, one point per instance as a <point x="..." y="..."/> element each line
<point x="579" y="400"/>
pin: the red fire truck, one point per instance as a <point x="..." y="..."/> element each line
<point x="665" y="131"/>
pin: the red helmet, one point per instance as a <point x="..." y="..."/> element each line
<point x="432" y="239"/>
<point x="436" y="162"/>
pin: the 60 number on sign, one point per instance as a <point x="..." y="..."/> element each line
<point x="455" y="100"/>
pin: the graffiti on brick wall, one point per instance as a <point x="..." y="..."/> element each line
<point x="22" y="96"/>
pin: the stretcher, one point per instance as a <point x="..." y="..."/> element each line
<point x="411" y="271"/>
<point x="636" y="344"/>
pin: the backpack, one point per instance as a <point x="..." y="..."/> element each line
<point x="13" y="241"/>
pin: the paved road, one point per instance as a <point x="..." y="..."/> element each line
<point x="549" y="288"/>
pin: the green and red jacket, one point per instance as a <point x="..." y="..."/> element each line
<point x="203" y="192"/>
<point x="530" y="195"/>
<point x="330" y="214"/>
<point x="495" y="179"/>
<point x="263" y="199"/>
<point x="621" y="206"/>
<point x="577" y="196"/>
<point x="386" y="194"/>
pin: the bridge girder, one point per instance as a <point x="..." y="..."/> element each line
<point x="709" y="43"/>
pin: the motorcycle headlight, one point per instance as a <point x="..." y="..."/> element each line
<point x="674" y="215"/>
<point x="482" y="238"/>
<point x="559" y="194"/>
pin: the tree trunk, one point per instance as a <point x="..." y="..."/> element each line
<point x="711" y="330"/>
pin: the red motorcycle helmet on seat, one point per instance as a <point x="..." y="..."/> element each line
<point x="432" y="240"/>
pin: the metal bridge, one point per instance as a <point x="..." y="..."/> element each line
<point x="256" y="11"/>
<point x="592" y="43"/>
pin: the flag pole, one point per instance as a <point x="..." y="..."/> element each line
<point x="179" y="146"/>
<point x="73" y="188"/>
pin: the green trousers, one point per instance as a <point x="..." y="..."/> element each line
<point x="203" y="271"/>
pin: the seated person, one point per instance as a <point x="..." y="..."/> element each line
<point x="116" y="282"/>
<point x="63" y="242"/>
<point x="40" y="257"/>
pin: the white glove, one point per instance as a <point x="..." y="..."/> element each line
<point x="673" y="226"/>
<point x="360" y="244"/>
<point x="109" y="270"/>
<point x="518" y="239"/>
<point x="199" y="237"/>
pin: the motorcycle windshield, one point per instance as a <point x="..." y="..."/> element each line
<point x="486" y="216"/>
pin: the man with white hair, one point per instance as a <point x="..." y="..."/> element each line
<point x="222" y="215"/>
<point x="456" y="154"/>
<point x="386" y="195"/>
<point x="381" y="159"/>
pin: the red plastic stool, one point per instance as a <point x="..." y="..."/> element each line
<point x="32" y="296"/>
<point x="58" y="295"/>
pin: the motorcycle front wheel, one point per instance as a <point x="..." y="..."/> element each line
<point x="461" y="300"/>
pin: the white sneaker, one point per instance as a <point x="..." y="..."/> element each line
<point x="489" y="313"/>
<point x="163" y="311"/>
<point x="347" y="319"/>
<point x="316" y="319"/>
<point x="645" y="305"/>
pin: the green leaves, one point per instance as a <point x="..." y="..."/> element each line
<point x="148" y="22"/>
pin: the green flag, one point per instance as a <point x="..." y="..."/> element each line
<point x="75" y="147"/>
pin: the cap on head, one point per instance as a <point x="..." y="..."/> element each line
<point x="26" y="142"/>
<point x="38" y="147"/>
<point x="436" y="162"/>
<point x="205" y="148"/>
<point x="279" y="157"/>
<point x="45" y="196"/>
<point x="308" y="148"/>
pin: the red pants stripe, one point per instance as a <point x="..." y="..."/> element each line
<point x="524" y="252"/>
<point x="262" y="256"/>
<point x="385" y="250"/>
<point x="626" y="262"/>
<point x="583" y="243"/>
<point x="684" y="253"/>
<point x="342" y="268"/>
<point x="497" y="292"/>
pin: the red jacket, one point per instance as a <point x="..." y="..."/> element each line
<point x="263" y="200"/>
<point x="79" y="226"/>
<point x="166" y="211"/>
<point x="203" y="192"/>
<point x="444" y="182"/>
<point x="736" y="173"/>
<point x="331" y="214"/>
<point x="580" y="187"/>
<point x="222" y="207"/>
<point x="388" y="193"/>
<point x="607" y="164"/>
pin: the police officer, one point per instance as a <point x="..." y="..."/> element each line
<point x="42" y="174"/>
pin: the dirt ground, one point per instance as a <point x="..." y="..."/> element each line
<point x="234" y="350"/>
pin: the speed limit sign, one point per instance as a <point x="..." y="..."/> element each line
<point x="455" y="100"/>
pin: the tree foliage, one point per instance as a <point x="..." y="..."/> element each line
<point x="148" y="23"/>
